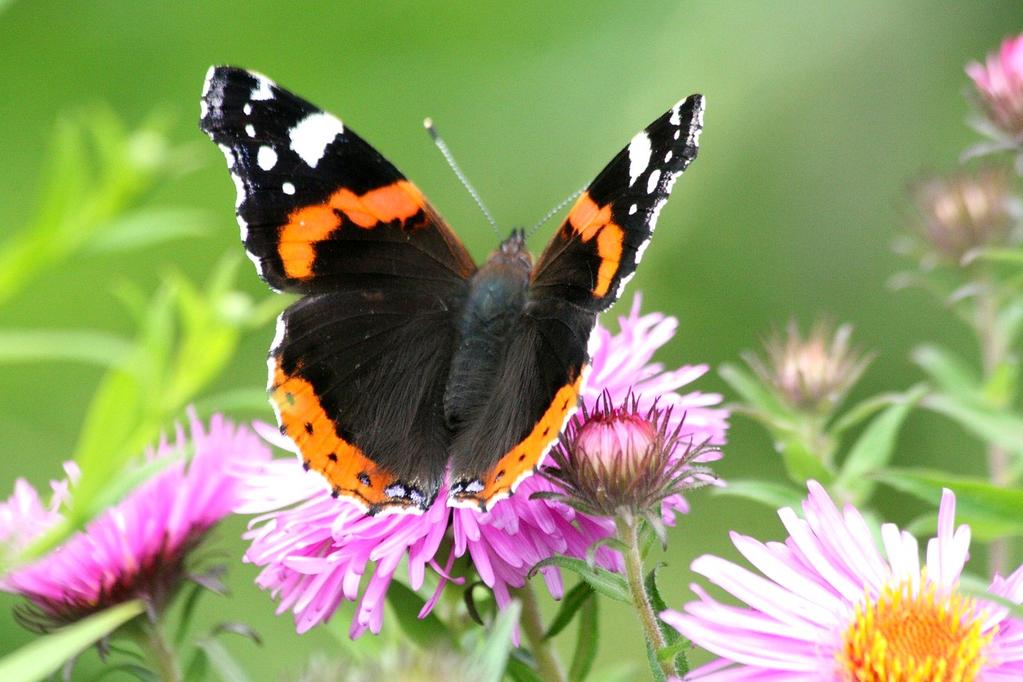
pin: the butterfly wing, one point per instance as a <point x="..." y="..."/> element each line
<point x="581" y="273"/>
<point x="358" y="366"/>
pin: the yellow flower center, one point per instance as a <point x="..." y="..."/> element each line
<point x="914" y="636"/>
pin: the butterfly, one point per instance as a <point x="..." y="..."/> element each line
<point x="403" y="364"/>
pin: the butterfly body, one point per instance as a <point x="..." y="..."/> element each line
<point x="404" y="365"/>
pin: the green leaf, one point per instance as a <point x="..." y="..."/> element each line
<point x="802" y="465"/>
<point x="756" y="395"/>
<point x="607" y="583"/>
<point x="149" y="227"/>
<point x="773" y="495"/>
<point x="948" y="371"/>
<point x="586" y="642"/>
<point x="491" y="659"/>
<point x="670" y="634"/>
<point x="862" y="411"/>
<point x="873" y="449"/>
<point x="570" y="605"/>
<point x="978" y="502"/>
<point x="991" y="426"/>
<point x="428" y="632"/>
<point x="46" y="654"/>
<point x="520" y="671"/>
<point x="222" y="661"/>
<point x="52" y="345"/>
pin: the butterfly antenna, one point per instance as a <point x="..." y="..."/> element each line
<point x="439" y="141"/>
<point x="555" y="211"/>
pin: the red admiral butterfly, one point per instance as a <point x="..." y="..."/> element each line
<point x="403" y="361"/>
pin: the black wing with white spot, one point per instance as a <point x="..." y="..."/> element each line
<point x="597" y="249"/>
<point x="319" y="208"/>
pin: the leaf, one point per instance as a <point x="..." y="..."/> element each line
<point x="570" y="605"/>
<point x="44" y="655"/>
<point x="427" y="632"/>
<point x="755" y="394"/>
<point x="991" y="426"/>
<point x="801" y="465"/>
<point x="520" y="671"/>
<point x="586" y="642"/>
<point x="55" y="345"/>
<point x="607" y="583"/>
<point x="670" y="634"/>
<point x="149" y="227"/>
<point x="873" y="449"/>
<point x="948" y="371"/>
<point x="491" y="658"/>
<point x="773" y="495"/>
<point x="862" y="411"/>
<point x="222" y="661"/>
<point x="978" y="502"/>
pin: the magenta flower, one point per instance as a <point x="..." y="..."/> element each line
<point x="832" y="605"/>
<point x="999" y="82"/>
<point x="317" y="551"/>
<point x="137" y="548"/>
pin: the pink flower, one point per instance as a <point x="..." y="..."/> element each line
<point x="999" y="83"/>
<point x="832" y="605"/>
<point x="317" y="551"/>
<point x="138" y="547"/>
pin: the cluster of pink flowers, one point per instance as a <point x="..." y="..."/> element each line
<point x="316" y="551"/>
<point x="138" y="547"/>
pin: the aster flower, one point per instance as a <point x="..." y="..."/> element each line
<point x="619" y="461"/>
<point x="999" y="83"/>
<point x="812" y="374"/>
<point x="965" y="211"/>
<point x="317" y="551"/>
<point x="139" y="547"/>
<point x="832" y="605"/>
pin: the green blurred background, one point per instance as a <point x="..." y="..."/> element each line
<point x="818" y="114"/>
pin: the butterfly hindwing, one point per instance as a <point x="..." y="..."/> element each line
<point x="581" y="273"/>
<point x="602" y="240"/>
<point x="318" y="207"/>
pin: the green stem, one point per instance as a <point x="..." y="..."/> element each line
<point x="547" y="664"/>
<point x="629" y="535"/>
<point x="155" y="647"/>
<point x="992" y="351"/>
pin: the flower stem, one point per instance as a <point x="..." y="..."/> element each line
<point x="993" y="351"/>
<point x="155" y="647"/>
<point x="547" y="663"/>
<point x="629" y="535"/>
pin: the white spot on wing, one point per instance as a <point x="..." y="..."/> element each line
<point x="641" y="250"/>
<point x="243" y="227"/>
<point x="288" y="188"/>
<point x="250" y="130"/>
<point x="239" y="188"/>
<point x="639" y="156"/>
<point x="204" y="109"/>
<point x="633" y="209"/>
<point x="676" y="112"/>
<point x="266" y="157"/>
<point x="208" y="82"/>
<point x="651" y="183"/>
<point x="667" y="157"/>
<point x="262" y="90"/>
<point x="311" y="135"/>
<point x="247" y="109"/>
<point x="257" y="262"/>
<point x="278" y="334"/>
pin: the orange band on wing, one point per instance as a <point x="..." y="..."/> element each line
<point x="589" y="221"/>
<point x="398" y="201"/>
<point x="526" y="456"/>
<point x="343" y="464"/>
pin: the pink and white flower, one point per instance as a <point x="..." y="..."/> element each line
<point x="138" y="547"/>
<point x="999" y="82"/>
<point x="829" y="604"/>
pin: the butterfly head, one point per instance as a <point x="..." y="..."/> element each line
<point x="513" y="252"/>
